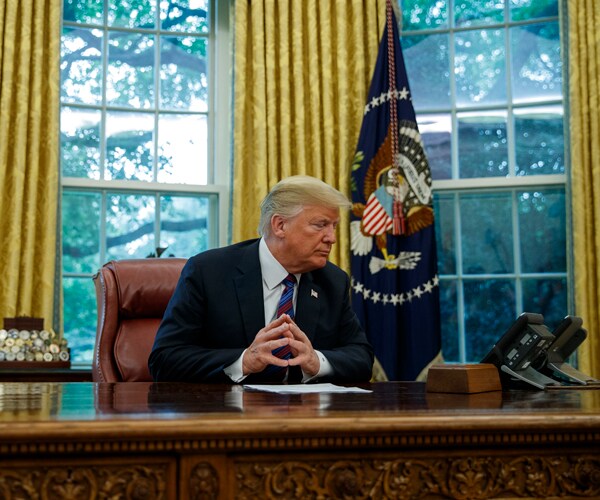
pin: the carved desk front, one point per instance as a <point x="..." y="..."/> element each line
<point x="143" y="440"/>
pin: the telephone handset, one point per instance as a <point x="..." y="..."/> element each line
<point x="522" y="344"/>
<point x="529" y="352"/>
<point x="568" y="337"/>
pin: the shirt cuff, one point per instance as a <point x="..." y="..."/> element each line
<point x="324" y="370"/>
<point x="235" y="370"/>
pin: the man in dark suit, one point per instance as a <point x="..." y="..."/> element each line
<point x="223" y="324"/>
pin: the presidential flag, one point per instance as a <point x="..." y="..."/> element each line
<point x="395" y="287"/>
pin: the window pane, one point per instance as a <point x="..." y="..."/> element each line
<point x="130" y="73"/>
<point x="482" y="144"/>
<point x="449" y="314"/>
<point x="83" y="11"/>
<point x="547" y="297"/>
<point x="443" y="206"/>
<point x="80" y="143"/>
<point x="129" y="146"/>
<point x="486" y="229"/>
<point x="130" y="226"/>
<point x="132" y="13"/>
<point x="188" y="16"/>
<point x="81" y="231"/>
<point x="436" y="131"/>
<point x="479" y="68"/>
<point x="489" y="311"/>
<point x="540" y="147"/>
<point x="429" y="82"/>
<point x="536" y="63"/>
<point x="522" y="10"/>
<point x="428" y="14"/>
<point x="184" y="225"/>
<point x="182" y="148"/>
<point x="80" y="316"/>
<point x="183" y="74"/>
<point x="477" y="12"/>
<point x="542" y="227"/>
<point x="81" y="66"/>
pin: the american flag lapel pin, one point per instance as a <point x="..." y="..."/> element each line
<point x="314" y="294"/>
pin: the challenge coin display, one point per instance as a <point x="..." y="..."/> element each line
<point x="25" y="343"/>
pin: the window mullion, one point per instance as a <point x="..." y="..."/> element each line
<point x="157" y="221"/>
<point x="103" y="112"/>
<point x="103" y="212"/>
<point x="517" y="254"/>
<point x="460" y="294"/>
<point x="157" y="94"/>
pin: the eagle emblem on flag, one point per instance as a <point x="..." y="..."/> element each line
<point x="399" y="200"/>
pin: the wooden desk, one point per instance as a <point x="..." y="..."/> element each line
<point x="144" y="440"/>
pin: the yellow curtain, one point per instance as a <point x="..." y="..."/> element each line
<point x="302" y="74"/>
<point x="29" y="101"/>
<point x="584" y="100"/>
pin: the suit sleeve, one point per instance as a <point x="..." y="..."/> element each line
<point x="351" y="355"/>
<point x="182" y="349"/>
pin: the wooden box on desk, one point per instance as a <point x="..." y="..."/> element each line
<point x="24" y="323"/>
<point x="463" y="379"/>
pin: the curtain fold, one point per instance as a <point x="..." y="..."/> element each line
<point x="29" y="165"/>
<point x="584" y="100"/>
<point x="302" y="74"/>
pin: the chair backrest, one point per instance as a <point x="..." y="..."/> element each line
<point x="132" y="296"/>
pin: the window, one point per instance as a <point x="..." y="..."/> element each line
<point x="140" y="136"/>
<point x="486" y="79"/>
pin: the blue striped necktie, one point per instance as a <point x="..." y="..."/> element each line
<point x="286" y="306"/>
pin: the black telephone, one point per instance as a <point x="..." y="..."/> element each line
<point x="520" y="348"/>
<point x="569" y="335"/>
<point x="529" y="353"/>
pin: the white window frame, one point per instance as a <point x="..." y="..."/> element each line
<point x="510" y="183"/>
<point x="219" y="123"/>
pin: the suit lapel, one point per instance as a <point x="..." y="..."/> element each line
<point x="308" y="305"/>
<point x="249" y="292"/>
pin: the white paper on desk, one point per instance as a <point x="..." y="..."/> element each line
<point x="302" y="388"/>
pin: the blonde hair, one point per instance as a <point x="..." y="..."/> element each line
<point x="290" y="195"/>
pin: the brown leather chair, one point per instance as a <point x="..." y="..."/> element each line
<point x="132" y="296"/>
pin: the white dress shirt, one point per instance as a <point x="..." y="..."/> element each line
<point x="273" y="273"/>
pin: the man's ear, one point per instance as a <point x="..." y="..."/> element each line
<point x="278" y="223"/>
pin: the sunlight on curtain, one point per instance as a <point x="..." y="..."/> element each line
<point x="584" y="90"/>
<point x="302" y="72"/>
<point x="29" y="97"/>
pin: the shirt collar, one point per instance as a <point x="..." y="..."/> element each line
<point x="273" y="272"/>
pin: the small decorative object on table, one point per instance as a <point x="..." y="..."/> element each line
<point x="463" y="378"/>
<point x="24" y="343"/>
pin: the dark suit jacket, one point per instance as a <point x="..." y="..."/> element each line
<point x="217" y="310"/>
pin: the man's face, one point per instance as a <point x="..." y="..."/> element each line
<point x="307" y="238"/>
